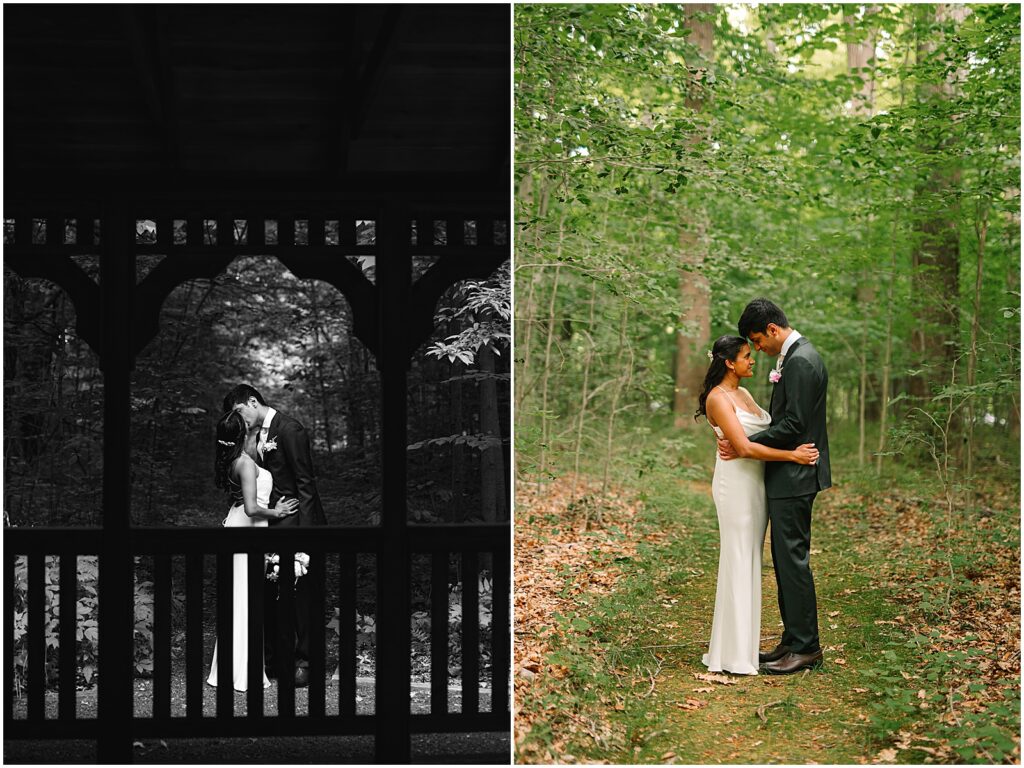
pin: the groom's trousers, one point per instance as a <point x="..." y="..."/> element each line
<point x="791" y="554"/>
<point x="275" y="632"/>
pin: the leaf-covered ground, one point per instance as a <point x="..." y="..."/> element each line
<point x="919" y="615"/>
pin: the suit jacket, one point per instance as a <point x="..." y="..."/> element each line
<point x="291" y="464"/>
<point x="798" y="408"/>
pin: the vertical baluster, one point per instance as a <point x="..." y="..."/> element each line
<point x="225" y="640"/>
<point x="255" y="230"/>
<point x="500" y="637"/>
<point x="485" y="231"/>
<point x="470" y="635"/>
<point x="161" y="632"/>
<point x="315" y="230"/>
<point x="347" y="635"/>
<point x="83" y="232"/>
<point x="439" y="633"/>
<point x="257" y="578"/>
<point x="36" y="637"/>
<point x="68" y="654"/>
<point x="165" y="233"/>
<point x="22" y="229"/>
<point x="317" y="648"/>
<point x="195" y="674"/>
<point x="225" y="231"/>
<point x="194" y="231"/>
<point x="456" y="231"/>
<point x="10" y="564"/>
<point x="346" y="229"/>
<point x="285" y="641"/>
<point x="286" y="230"/>
<point x="55" y="229"/>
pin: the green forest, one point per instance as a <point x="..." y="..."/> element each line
<point x="859" y="165"/>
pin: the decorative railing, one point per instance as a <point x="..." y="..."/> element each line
<point x="192" y="545"/>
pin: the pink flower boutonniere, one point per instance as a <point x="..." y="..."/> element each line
<point x="775" y="376"/>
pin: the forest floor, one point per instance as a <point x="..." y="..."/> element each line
<point x="919" y="616"/>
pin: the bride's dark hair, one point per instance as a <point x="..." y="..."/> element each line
<point x="231" y="433"/>
<point x="725" y="348"/>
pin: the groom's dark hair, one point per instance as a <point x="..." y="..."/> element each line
<point x="241" y="394"/>
<point x="758" y="314"/>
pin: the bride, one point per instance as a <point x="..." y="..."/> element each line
<point x="739" y="494"/>
<point x="249" y="486"/>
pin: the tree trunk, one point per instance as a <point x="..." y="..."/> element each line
<point x="546" y="370"/>
<point x="936" y="254"/>
<point x="584" y="394"/>
<point x="492" y="465"/>
<point x="887" y="354"/>
<point x="695" y="291"/>
<point x="625" y="378"/>
<point x="981" y="229"/>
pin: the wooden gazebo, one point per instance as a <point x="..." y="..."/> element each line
<point x="313" y="117"/>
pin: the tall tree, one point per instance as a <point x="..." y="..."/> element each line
<point x="695" y="289"/>
<point x="936" y="253"/>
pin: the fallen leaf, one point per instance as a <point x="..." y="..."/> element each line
<point x="714" y="678"/>
<point x="691" y="704"/>
<point x="887" y="756"/>
<point x="668" y="755"/>
<point x="703" y="690"/>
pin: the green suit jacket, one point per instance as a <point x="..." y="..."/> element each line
<point x="798" y="407"/>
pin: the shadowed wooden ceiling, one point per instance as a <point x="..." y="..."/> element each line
<point x="324" y="91"/>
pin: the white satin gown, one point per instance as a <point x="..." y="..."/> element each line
<point x="240" y="589"/>
<point x="738" y="491"/>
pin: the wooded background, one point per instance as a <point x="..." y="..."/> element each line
<point x="859" y="165"/>
<point x="292" y="340"/>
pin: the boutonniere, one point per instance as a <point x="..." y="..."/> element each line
<point x="775" y="376"/>
<point x="270" y="445"/>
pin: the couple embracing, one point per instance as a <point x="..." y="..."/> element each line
<point x="264" y="462"/>
<point x="770" y="466"/>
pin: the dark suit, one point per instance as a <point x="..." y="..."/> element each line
<point x="291" y="464"/>
<point x="798" y="409"/>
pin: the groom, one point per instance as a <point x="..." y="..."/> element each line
<point x="798" y="407"/>
<point x="283" y="449"/>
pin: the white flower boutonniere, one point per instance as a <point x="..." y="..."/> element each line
<point x="270" y="445"/>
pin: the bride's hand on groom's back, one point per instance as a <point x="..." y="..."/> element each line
<point x="806" y="454"/>
<point x="286" y="506"/>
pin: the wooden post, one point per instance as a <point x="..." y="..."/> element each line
<point x="394" y="265"/>
<point x="116" y="659"/>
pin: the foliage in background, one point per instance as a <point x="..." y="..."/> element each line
<point x="633" y="149"/>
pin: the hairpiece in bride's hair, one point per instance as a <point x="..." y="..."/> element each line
<point x="225" y="442"/>
<point x="711" y="355"/>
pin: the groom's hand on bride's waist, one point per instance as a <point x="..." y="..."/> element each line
<point x="725" y="449"/>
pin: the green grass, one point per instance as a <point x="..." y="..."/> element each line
<point x="888" y="678"/>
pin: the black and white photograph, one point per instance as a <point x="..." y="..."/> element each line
<point x="257" y="383"/>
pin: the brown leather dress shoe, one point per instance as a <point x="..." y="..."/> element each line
<point x="775" y="654"/>
<point x="794" y="662"/>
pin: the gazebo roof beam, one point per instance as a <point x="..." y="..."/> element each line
<point x="149" y="55"/>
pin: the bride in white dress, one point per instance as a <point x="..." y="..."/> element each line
<point x="249" y="486"/>
<point x="738" y="491"/>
